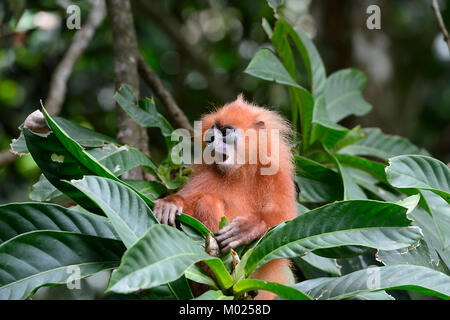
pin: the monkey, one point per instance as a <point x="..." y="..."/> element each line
<point x="252" y="201"/>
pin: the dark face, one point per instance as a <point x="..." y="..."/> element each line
<point x="221" y="141"/>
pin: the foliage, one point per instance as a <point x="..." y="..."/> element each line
<point x="360" y="191"/>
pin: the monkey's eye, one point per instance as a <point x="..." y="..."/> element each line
<point x="227" y="130"/>
<point x="209" y="136"/>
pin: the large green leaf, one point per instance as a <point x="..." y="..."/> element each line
<point x="118" y="160"/>
<point x="421" y="172"/>
<point x="312" y="60"/>
<point x="324" y="129"/>
<point x="440" y="211"/>
<point x="162" y="255"/>
<point x="365" y="223"/>
<point x="281" y="290"/>
<point x="325" y="264"/>
<point x="431" y="233"/>
<point x="405" y="277"/>
<point x="19" y="218"/>
<point x="376" y="169"/>
<point x="84" y="136"/>
<point x="265" y="65"/>
<point x="58" y="164"/>
<point x="351" y="190"/>
<point x="61" y="158"/>
<point x="129" y="214"/>
<point x="343" y="94"/>
<point x="420" y="255"/>
<point x="317" y="183"/>
<point x="39" y="258"/>
<point x="383" y="146"/>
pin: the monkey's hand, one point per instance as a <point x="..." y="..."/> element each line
<point x="166" y="210"/>
<point x="241" y="230"/>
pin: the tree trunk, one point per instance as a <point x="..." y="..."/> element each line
<point x="126" y="71"/>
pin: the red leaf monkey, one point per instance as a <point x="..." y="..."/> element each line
<point x="251" y="199"/>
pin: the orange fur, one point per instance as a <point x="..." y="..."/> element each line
<point x="262" y="201"/>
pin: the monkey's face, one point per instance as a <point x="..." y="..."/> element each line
<point x="221" y="144"/>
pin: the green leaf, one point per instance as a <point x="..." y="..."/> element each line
<point x="76" y="150"/>
<point x="265" y="65"/>
<point x="318" y="191"/>
<point x="409" y="203"/>
<point x="197" y="274"/>
<point x="311" y="59"/>
<point x="317" y="183"/>
<point x="223" y="278"/>
<point x="431" y="234"/>
<point x="19" y="145"/>
<point x="405" y="277"/>
<point x="368" y="182"/>
<point x="376" y="169"/>
<point x="267" y="28"/>
<point x="440" y="211"/>
<point x="146" y="116"/>
<point x="43" y="190"/>
<point x="281" y="290"/>
<point x="19" y="218"/>
<point x="420" y="255"/>
<point x="351" y="190"/>
<point x="193" y="223"/>
<point x="151" y="189"/>
<point x="324" y="129"/>
<point x="343" y="94"/>
<point x="223" y="222"/>
<point x="84" y="136"/>
<point x="325" y="264"/>
<point x="121" y="159"/>
<point x="383" y="146"/>
<point x="377" y="295"/>
<point x="118" y="160"/>
<point x="365" y="223"/>
<point x="58" y="164"/>
<point x="421" y="172"/>
<point x="129" y="214"/>
<point x="39" y="258"/>
<point x="172" y="253"/>
<point x="213" y="295"/>
<point x="61" y="158"/>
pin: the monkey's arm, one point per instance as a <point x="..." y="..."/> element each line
<point x="241" y="230"/>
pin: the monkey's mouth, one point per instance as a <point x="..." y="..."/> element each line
<point x="220" y="156"/>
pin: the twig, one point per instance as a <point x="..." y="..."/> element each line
<point x="6" y="157"/>
<point x="154" y="82"/>
<point x="172" y="28"/>
<point x="81" y="39"/>
<point x="444" y="30"/>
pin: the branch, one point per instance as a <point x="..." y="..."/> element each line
<point x="6" y="157"/>
<point x="444" y="30"/>
<point x="173" y="28"/>
<point x="151" y="78"/>
<point x="81" y="39"/>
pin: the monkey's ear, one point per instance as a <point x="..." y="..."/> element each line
<point x="259" y="124"/>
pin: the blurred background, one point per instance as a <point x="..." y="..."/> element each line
<point x="200" y="48"/>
